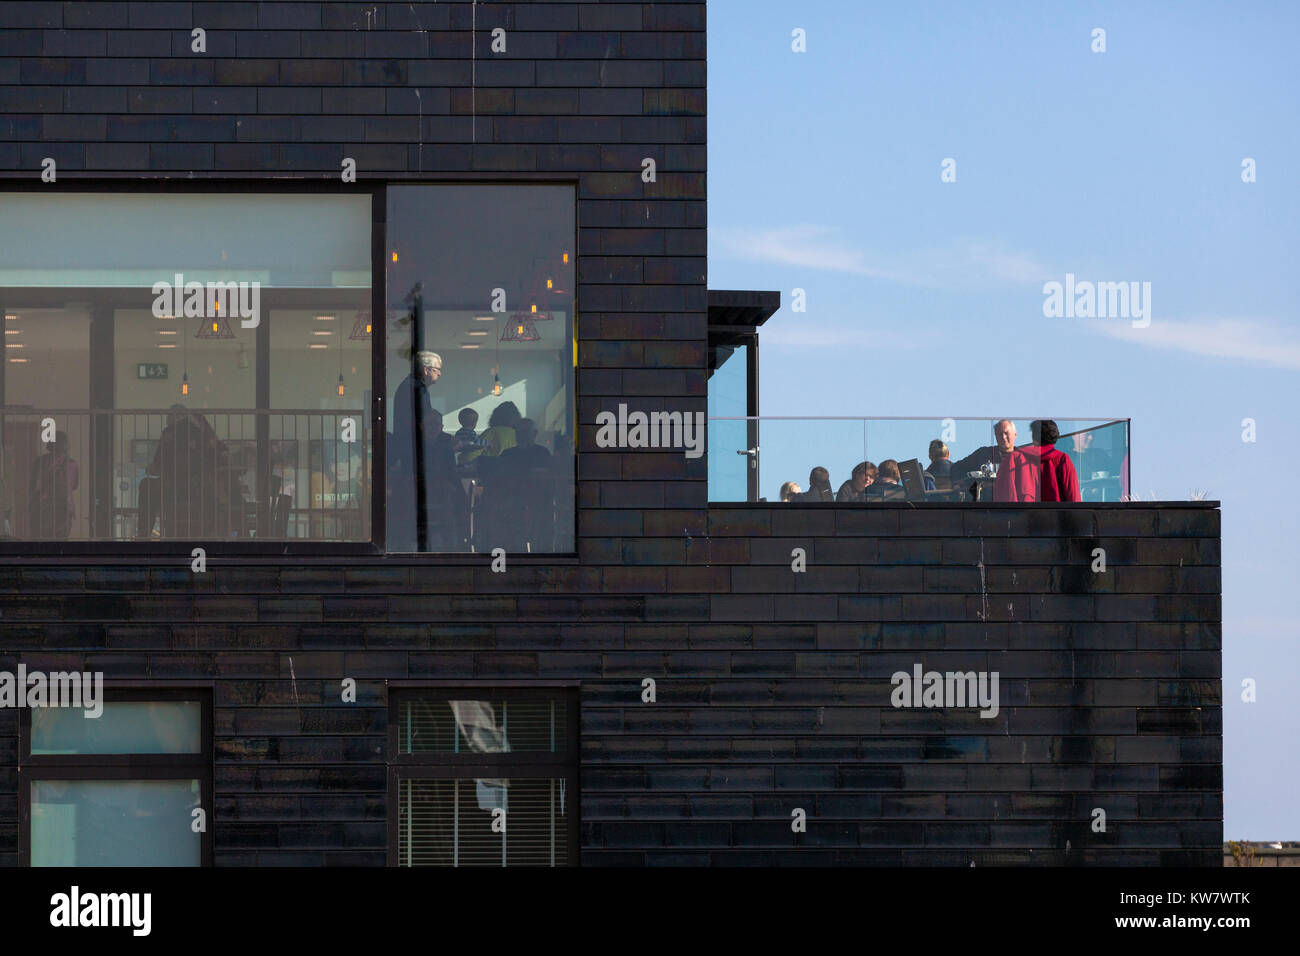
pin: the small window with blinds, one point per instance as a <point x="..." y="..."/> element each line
<point x="483" y="777"/>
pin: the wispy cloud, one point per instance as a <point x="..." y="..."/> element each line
<point x="1245" y="340"/>
<point x="966" y="262"/>
<point x="969" y="263"/>
<point x="805" y="246"/>
<point x="879" y="337"/>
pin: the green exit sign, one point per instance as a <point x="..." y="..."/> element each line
<point x="151" y="370"/>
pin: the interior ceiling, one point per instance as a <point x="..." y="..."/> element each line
<point x="69" y="330"/>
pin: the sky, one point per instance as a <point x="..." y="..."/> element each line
<point x="925" y="298"/>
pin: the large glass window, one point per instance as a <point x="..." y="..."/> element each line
<point x="480" y="368"/>
<point x="484" y="778"/>
<point x="185" y="366"/>
<point x="120" y="789"/>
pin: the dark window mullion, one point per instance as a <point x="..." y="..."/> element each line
<point x="262" y="424"/>
<point x="378" y="371"/>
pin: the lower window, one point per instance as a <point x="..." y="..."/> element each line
<point x="129" y="787"/>
<point x="483" y="777"/>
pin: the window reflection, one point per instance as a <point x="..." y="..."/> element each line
<point x="172" y="418"/>
<point x="114" y="823"/>
<point x="480" y="367"/>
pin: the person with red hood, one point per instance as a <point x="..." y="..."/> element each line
<point x="1058" y="480"/>
<point x="1017" y="478"/>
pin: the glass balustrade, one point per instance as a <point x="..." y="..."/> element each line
<point x="865" y="460"/>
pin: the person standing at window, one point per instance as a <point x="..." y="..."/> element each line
<point x="55" y="478"/>
<point x="408" y="497"/>
<point x="412" y="403"/>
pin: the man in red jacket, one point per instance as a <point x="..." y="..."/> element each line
<point x="1058" y="480"/>
<point x="1017" y="478"/>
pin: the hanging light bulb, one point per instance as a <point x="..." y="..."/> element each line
<point x="550" y="284"/>
<point x="185" y="383"/>
<point x="566" y="258"/>
<point x="340" y="383"/>
<point x="496" y="384"/>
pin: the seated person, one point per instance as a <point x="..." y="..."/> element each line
<point x="466" y="437"/>
<point x="1057" y="478"/>
<point x="819" y="486"/>
<point x="527" y="453"/>
<point x="500" y="433"/>
<point x="446" y="505"/>
<point x="790" y="490"/>
<point x="439" y="456"/>
<point x="864" y="473"/>
<point x="518" y="509"/>
<point x="888" y="485"/>
<point x="940" y="465"/>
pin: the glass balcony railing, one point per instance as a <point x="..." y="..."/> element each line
<point x="917" y="459"/>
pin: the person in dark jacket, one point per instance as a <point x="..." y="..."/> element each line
<point x="527" y="453"/>
<point x="888" y="485"/>
<point x="412" y="403"/>
<point x="1058" y="480"/>
<point x="819" y="486"/>
<point x="1004" y="434"/>
<point x="864" y="473"/>
<point x="55" y="477"/>
<point x="940" y="464"/>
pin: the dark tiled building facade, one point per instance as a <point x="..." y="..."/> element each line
<point x="771" y="688"/>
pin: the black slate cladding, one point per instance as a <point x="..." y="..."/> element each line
<point x="773" y="688"/>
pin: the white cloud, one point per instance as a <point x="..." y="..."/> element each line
<point x="966" y="262"/>
<point x="969" y="263"/>
<point x="815" y="247"/>
<point x="879" y="338"/>
<point x="1246" y="340"/>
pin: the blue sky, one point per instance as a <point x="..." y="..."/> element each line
<point x="925" y="298"/>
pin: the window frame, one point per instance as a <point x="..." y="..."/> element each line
<point x="534" y="766"/>
<point x="254" y="551"/>
<point x="33" y="768"/>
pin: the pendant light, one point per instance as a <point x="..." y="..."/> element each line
<point x="341" y="360"/>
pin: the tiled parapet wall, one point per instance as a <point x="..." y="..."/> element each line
<point x="773" y="687"/>
<point x="1110" y="692"/>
